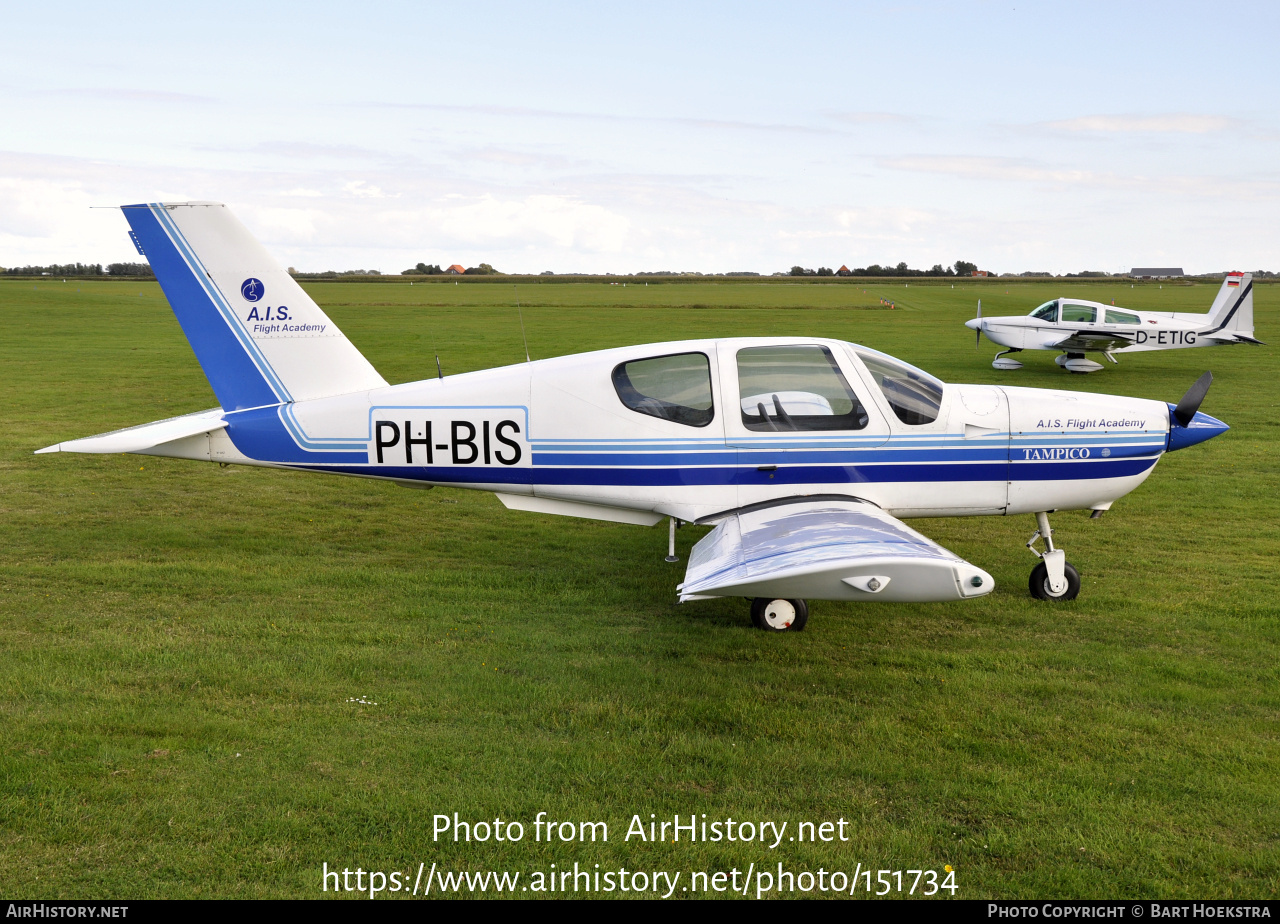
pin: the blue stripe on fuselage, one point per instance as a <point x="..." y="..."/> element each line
<point x="816" y="475"/>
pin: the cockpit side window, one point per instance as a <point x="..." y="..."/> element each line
<point x="796" y="387"/>
<point x="1047" y="312"/>
<point x="1121" y="317"/>
<point x="914" y="395"/>
<point x="676" y="387"/>
<point x="1078" y="314"/>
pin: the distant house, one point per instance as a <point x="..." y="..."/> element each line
<point x="979" y="273"/>
<point x="1156" y="272"/>
<point x="843" y="271"/>
<point x="455" y="270"/>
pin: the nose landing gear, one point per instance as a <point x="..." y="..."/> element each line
<point x="1004" y="363"/>
<point x="1054" y="578"/>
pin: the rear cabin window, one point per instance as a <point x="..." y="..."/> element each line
<point x="675" y="387"/>
<point x="1078" y="314"/>
<point x="795" y="388"/>
<point x="914" y="395"/>
<point x="1121" y="317"/>
<point x="1046" y="312"/>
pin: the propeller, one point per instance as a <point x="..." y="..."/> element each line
<point x="977" y="343"/>
<point x="1190" y="402"/>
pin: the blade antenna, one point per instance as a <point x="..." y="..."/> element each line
<point x="522" y="333"/>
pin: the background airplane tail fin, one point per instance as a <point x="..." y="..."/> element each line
<point x="259" y="338"/>
<point x="1232" y="310"/>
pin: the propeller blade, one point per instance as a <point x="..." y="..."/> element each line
<point x="1190" y="402"/>
<point x="977" y="343"/>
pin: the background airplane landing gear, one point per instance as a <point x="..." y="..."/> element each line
<point x="779" y="615"/>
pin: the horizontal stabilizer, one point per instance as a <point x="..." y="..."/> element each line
<point x="827" y="550"/>
<point x="146" y="436"/>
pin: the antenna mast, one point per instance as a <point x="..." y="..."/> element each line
<point x="523" y="335"/>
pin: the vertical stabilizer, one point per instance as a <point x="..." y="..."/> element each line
<point x="260" y="339"/>
<point x="1232" y="310"/>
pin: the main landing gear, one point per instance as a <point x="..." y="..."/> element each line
<point x="1054" y="578"/>
<point x="779" y="615"/>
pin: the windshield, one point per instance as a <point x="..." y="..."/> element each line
<point x="914" y="395"/>
<point x="1046" y="312"/>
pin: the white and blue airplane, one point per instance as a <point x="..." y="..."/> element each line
<point x="1075" y="327"/>
<point x="805" y="453"/>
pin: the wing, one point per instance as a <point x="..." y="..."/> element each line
<point x="826" y="550"/>
<point x="1094" y="340"/>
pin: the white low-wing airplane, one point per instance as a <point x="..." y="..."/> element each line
<point x="1076" y="327"/>
<point x="804" y="452"/>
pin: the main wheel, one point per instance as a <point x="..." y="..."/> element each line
<point x="779" y="615"/>
<point x="1039" y="583"/>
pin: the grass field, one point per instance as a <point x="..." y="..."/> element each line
<point x="180" y="645"/>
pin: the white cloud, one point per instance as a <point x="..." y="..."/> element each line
<point x="1176" y="123"/>
<point x="562" y="221"/>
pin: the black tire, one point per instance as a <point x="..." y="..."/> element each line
<point x="1039" y="583"/>
<point x="761" y="619"/>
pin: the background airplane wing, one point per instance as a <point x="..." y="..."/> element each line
<point x="1094" y="340"/>
<point x="826" y="549"/>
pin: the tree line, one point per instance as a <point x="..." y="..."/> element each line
<point x="80" y="269"/>
<point x="433" y="269"/>
<point x="959" y="268"/>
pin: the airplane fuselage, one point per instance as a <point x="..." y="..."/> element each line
<point x="554" y="435"/>
<point x="1156" y="332"/>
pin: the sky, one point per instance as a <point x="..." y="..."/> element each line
<point x="588" y="137"/>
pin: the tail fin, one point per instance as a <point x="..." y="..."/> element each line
<point x="260" y="339"/>
<point x="1232" y="310"/>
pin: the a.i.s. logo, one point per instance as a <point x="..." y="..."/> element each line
<point x="252" y="290"/>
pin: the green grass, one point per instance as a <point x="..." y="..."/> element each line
<point x="178" y="642"/>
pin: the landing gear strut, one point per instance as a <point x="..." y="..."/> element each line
<point x="779" y="615"/>
<point x="1054" y="578"/>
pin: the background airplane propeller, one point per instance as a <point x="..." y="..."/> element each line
<point x="977" y="343"/>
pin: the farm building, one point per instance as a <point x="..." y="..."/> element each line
<point x="1156" y="272"/>
<point x="456" y="270"/>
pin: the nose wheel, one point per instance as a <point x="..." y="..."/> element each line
<point x="779" y="615"/>
<point x="1054" y="578"/>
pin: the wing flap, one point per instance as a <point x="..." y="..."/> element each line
<point x="827" y="550"/>
<point x="145" y="436"/>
